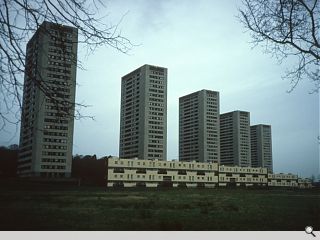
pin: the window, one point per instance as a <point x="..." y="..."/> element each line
<point x="162" y="171"/>
<point x="142" y="171"/>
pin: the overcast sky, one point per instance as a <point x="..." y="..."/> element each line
<point x="204" y="46"/>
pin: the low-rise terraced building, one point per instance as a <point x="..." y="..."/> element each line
<point x="282" y="180"/>
<point x="242" y="176"/>
<point x="154" y="173"/>
<point x="304" y="183"/>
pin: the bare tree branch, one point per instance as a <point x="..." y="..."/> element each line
<point x="287" y="28"/>
<point x="19" y="20"/>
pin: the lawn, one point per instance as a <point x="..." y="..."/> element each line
<point x="43" y="207"/>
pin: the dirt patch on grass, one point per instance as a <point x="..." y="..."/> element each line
<point x="124" y="198"/>
<point x="135" y="197"/>
<point x="110" y="198"/>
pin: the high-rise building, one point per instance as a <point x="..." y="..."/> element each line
<point x="261" y="146"/>
<point x="46" y="134"/>
<point x="199" y="133"/>
<point x="235" y="146"/>
<point x="143" y="117"/>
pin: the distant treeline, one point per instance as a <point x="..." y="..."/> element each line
<point x="87" y="169"/>
<point x="8" y="162"/>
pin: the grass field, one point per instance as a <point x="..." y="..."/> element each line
<point x="71" y="208"/>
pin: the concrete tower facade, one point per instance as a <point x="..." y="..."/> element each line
<point x="143" y="117"/>
<point x="261" y="146"/>
<point x="235" y="148"/>
<point x="46" y="135"/>
<point x="199" y="131"/>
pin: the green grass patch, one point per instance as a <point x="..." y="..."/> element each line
<point x="175" y="209"/>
